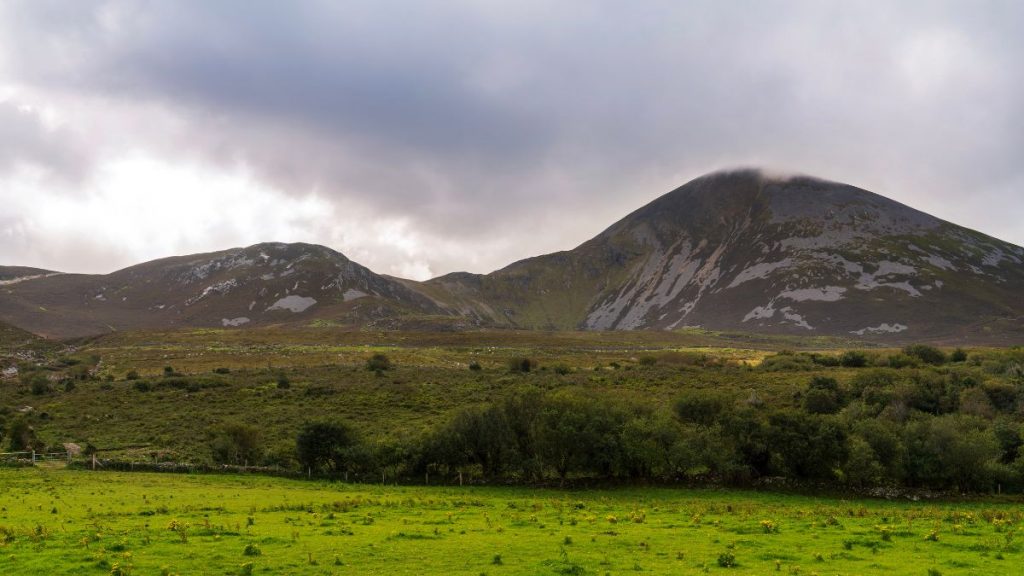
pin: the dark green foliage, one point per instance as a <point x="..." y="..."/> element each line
<point x="41" y="385"/>
<point x="823" y="396"/>
<point x="21" y="436"/>
<point x="701" y="407"/>
<point x="853" y="359"/>
<point x="806" y="446"/>
<point x="958" y="355"/>
<point x="521" y="364"/>
<point x="475" y="366"/>
<point x="926" y="354"/>
<point x="131" y="375"/>
<point x="283" y="382"/>
<point x="325" y="446"/>
<point x="378" y="363"/>
<point x="236" y="443"/>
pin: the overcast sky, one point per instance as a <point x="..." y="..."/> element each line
<point x="421" y="138"/>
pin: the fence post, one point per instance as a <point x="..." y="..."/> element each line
<point x="33" y="457"/>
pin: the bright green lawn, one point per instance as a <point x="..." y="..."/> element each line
<point x="55" y="521"/>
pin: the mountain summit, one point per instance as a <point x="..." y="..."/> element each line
<point x="746" y="251"/>
<point x="737" y="250"/>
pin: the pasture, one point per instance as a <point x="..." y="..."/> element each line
<point x="58" y="521"/>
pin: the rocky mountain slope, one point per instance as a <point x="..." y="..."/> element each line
<point x="262" y="284"/>
<point x="729" y="251"/>
<point x="744" y="251"/>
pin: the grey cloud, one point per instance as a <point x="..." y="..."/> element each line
<point x="542" y="122"/>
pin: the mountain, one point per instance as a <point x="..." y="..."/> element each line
<point x="738" y="250"/>
<point x="262" y="284"/>
<point x="741" y="250"/>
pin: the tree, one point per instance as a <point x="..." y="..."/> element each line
<point x="325" y="445"/>
<point x="236" y="443"/>
<point x="22" y="436"/>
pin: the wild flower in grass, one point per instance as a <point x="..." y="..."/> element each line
<point x="769" y="527"/>
<point x="245" y="569"/>
<point x="778" y="565"/>
<point x="497" y="560"/>
<point x="612" y="519"/>
<point x="818" y="557"/>
<point x="179" y="528"/>
<point x="932" y="536"/>
<point x="251" y="549"/>
<point x="119" y="569"/>
<point x="638" y="516"/>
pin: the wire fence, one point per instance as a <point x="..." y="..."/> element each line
<point x="32" y="457"/>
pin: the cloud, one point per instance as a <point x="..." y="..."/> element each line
<point x="470" y="134"/>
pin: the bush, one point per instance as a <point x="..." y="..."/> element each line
<point x="142" y="386"/>
<point x="378" y="363"/>
<point x="131" y="375"/>
<point x="958" y="355"/>
<point x="925" y="353"/>
<point x="727" y="560"/>
<point x="853" y="359"/>
<point x="283" y="383"/>
<point x="648" y="360"/>
<point x="41" y="385"/>
<point x="474" y="366"/>
<point x="903" y="361"/>
<point x="521" y="364"/>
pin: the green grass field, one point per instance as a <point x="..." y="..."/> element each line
<point x="56" y="521"/>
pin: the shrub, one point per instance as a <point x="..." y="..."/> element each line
<point x="142" y="386"/>
<point x="251" y="550"/>
<point x="958" y="355"/>
<point x="727" y="560"/>
<point x="853" y="359"/>
<point x="927" y="354"/>
<point x="521" y="364"/>
<point x="132" y="375"/>
<point x="41" y="386"/>
<point x="222" y="370"/>
<point x="648" y="360"/>
<point x="475" y="366"/>
<point x="378" y="363"/>
<point x="283" y="383"/>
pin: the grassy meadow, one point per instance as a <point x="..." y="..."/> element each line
<point x="57" y="521"/>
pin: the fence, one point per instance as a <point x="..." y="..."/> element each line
<point x="32" y="457"/>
